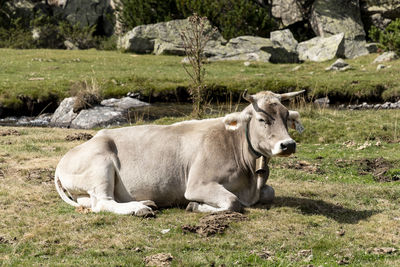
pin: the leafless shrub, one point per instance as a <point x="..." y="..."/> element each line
<point x="87" y="95"/>
<point x="195" y="38"/>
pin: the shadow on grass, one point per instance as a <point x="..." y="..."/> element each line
<point x="320" y="207"/>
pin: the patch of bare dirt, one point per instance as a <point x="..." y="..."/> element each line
<point x="83" y="210"/>
<point x="214" y="223"/>
<point x="381" y="251"/>
<point x="264" y="254"/>
<point x="378" y="167"/>
<point x="303" y="165"/>
<point x="40" y="175"/>
<point x="9" y="132"/>
<point x="78" y="137"/>
<point x="160" y="259"/>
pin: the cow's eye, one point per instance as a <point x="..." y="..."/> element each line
<point x="261" y="120"/>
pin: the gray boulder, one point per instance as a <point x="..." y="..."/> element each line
<point x="284" y="47"/>
<point x="98" y="117"/>
<point x="87" y="13"/>
<point x="64" y="114"/>
<point x="342" y="16"/>
<point x="109" y="112"/>
<point x="289" y="11"/>
<point x="380" y="12"/>
<point x="162" y="38"/>
<point x="321" y="49"/>
<point x="123" y="103"/>
<point x="251" y="48"/>
<point x="387" y="56"/>
<point x="247" y="48"/>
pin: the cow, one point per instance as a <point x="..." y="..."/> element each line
<point x="207" y="165"/>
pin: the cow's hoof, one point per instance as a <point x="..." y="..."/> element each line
<point x="145" y="213"/>
<point x="149" y="203"/>
<point x="192" y="206"/>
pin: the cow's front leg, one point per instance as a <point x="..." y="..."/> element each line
<point x="211" y="197"/>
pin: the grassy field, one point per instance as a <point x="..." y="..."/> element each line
<point x="50" y="75"/>
<point x="333" y="206"/>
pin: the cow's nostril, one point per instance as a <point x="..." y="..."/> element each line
<point x="283" y="146"/>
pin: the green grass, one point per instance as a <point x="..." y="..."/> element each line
<point x="38" y="228"/>
<point x="154" y="76"/>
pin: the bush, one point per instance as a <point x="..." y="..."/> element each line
<point x="16" y="36"/>
<point x="232" y="17"/>
<point x="389" y="38"/>
<point x="132" y="13"/>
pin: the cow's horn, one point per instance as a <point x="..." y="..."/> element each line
<point x="248" y="97"/>
<point x="290" y="95"/>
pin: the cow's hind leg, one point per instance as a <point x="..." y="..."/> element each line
<point x="102" y="193"/>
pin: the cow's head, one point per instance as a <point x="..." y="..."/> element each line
<point x="266" y="123"/>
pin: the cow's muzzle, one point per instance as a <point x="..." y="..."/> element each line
<point x="285" y="148"/>
<point x="288" y="147"/>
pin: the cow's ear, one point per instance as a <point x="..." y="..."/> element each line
<point x="294" y="121"/>
<point x="234" y="121"/>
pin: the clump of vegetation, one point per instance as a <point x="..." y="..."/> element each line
<point x="88" y="95"/>
<point x="132" y="13"/>
<point x="389" y="38"/>
<point x="195" y="38"/>
<point x="232" y="17"/>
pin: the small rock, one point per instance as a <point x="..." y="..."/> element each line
<point x="247" y="63"/>
<point x="296" y="68"/>
<point x="322" y="102"/>
<point x="160" y="259"/>
<point x="340" y="232"/>
<point x="164" y="231"/>
<point x="380" y="66"/>
<point x="70" y="46"/>
<point x="339" y="64"/>
<point x="387" y="56"/>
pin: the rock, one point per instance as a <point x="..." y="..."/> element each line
<point x="284" y="47"/>
<point x="372" y="47"/>
<point x="339" y="64"/>
<point x="123" y="103"/>
<point x="246" y="63"/>
<point x="289" y="11"/>
<point x="321" y="49"/>
<point x="98" y="117"/>
<point x="252" y="48"/>
<point x="380" y="12"/>
<point x="296" y="68"/>
<point x="87" y="13"/>
<point x="70" y="45"/>
<point x="110" y="112"/>
<point x="64" y="115"/>
<point x="162" y="38"/>
<point x="342" y="16"/>
<point x="322" y="102"/>
<point x="247" y="48"/>
<point x="387" y="56"/>
<point x="284" y="39"/>
<point x="380" y="66"/>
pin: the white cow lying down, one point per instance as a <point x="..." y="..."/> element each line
<point x="208" y="165"/>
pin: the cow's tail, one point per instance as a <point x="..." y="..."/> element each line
<point x="61" y="192"/>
